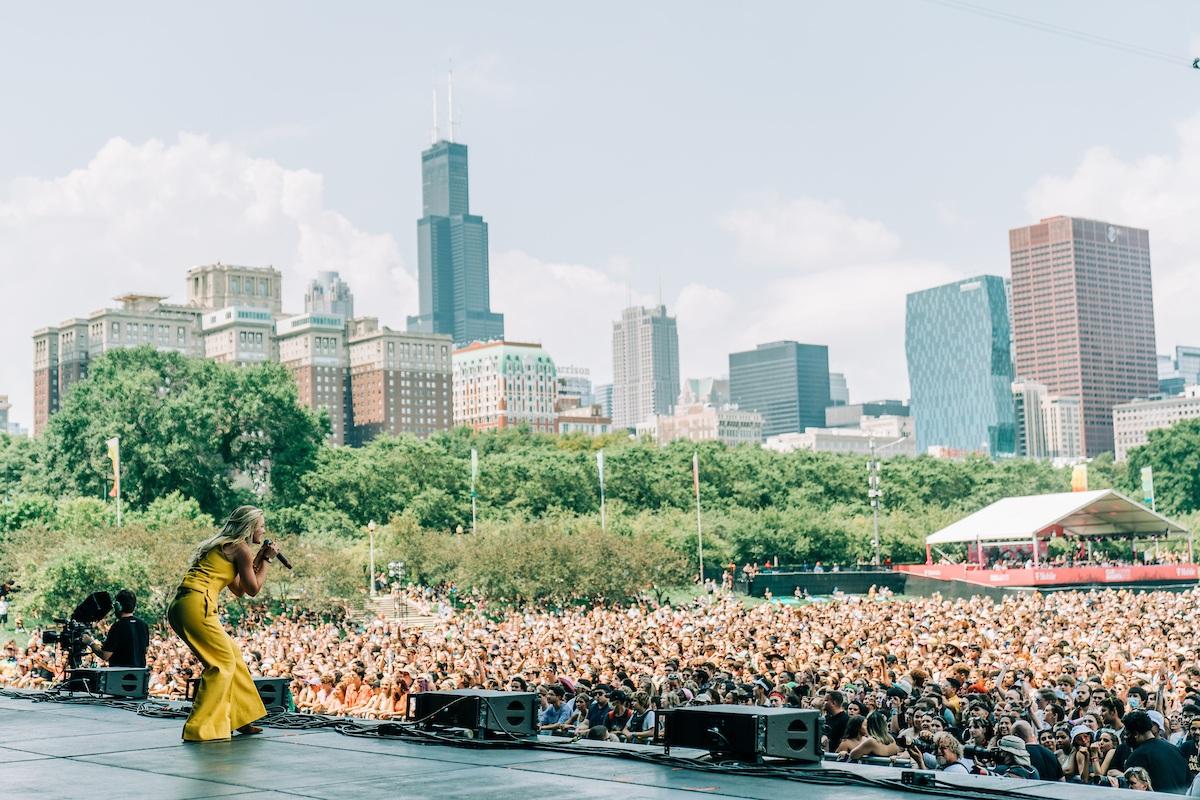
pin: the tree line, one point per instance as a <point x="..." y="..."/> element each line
<point x="199" y="438"/>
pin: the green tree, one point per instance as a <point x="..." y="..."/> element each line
<point x="78" y="569"/>
<point x="1174" y="455"/>
<point x="27" y="511"/>
<point x="22" y="466"/>
<point x="209" y="431"/>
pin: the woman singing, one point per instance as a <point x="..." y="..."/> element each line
<point x="226" y="699"/>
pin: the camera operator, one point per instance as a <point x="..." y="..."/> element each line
<point x="949" y="753"/>
<point x="1014" y="759"/>
<point x="128" y="638"/>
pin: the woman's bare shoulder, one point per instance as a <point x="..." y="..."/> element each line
<point x="237" y="551"/>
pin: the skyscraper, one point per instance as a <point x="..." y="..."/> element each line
<point x="1028" y="399"/>
<point x="452" y="253"/>
<point x="839" y="390"/>
<point x="786" y="382"/>
<point x="956" y="339"/>
<point x="1083" y="316"/>
<point x="329" y="294"/>
<point x="645" y="365"/>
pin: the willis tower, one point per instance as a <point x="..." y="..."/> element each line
<point x="452" y="251"/>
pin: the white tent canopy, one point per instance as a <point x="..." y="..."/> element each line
<point x="1100" y="513"/>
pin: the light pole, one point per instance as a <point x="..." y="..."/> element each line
<point x="874" y="492"/>
<point x="371" y="529"/>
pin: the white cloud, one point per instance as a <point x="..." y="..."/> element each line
<point x="137" y="216"/>
<point x="569" y="308"/>
<point x="1156" y="192"/>
<point x="806" y="234"/>
<point x="840" y="281"/>
<point x="856" y="307"/>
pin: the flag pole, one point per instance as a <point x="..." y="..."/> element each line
<point x="114" y="455"/>
<point x="474" y="493"/>
<point x="600" y="470"/>
<point x="699" y="531"/>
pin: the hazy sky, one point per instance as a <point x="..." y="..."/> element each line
<point x="782" y="170"/>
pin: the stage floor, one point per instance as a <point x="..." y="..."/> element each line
<point x="57" y="750"/>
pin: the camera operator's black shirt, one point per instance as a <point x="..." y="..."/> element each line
<point x="1166" y="765"/>
<point x="1191" y="754"/>
<point x="1045" y="762"/>
<point x="835" y="728"/>
<point x="127" y="640"/>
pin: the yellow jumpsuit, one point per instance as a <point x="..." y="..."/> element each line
<point x="226" y="698"/>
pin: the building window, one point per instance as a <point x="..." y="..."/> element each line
<point x="235" y="285"/>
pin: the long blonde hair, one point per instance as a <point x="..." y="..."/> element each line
<point x="238" y="528"/>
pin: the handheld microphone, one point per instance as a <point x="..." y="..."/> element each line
<point x="282" y="558"/>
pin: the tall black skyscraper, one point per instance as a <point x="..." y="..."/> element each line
<point x="452" y="253"/>
<point x="787" y="382"/>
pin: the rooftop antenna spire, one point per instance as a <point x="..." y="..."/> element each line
<point x="450" y="92"/>
<point x="434" y="137"/>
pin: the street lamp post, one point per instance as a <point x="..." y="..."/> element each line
<point x="874" y="492"/>
<point x="371" y="529"/>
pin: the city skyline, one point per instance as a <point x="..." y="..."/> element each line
<point x="815" y="234"/>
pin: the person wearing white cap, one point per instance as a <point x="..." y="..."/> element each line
<point x="1079" y="763"/>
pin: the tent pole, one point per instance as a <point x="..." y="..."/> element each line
<point x="1036" y="562"/>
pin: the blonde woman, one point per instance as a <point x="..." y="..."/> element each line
<point x="226" y="699"/>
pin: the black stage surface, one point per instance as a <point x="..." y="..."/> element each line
<point x="66" y="750"/>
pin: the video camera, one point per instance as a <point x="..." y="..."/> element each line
<point x="977" y="753"/>
<point x="93" y="609"/>
<point x="923" y="743"/>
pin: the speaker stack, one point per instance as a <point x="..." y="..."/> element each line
<point x="273" y="692"/>
<point x="745" y="733"/>
<point x="483" y="713"/>
<point x="109" y="681"/>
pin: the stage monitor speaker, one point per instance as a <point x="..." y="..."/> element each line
<point x="489" y="714"/>
<point x="111" y="681"/>
<point x="273" y="692"/>
<point x="746" y="733"/>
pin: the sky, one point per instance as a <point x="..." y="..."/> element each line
<point x="778" y="170"/>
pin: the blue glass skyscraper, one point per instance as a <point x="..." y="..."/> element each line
<point x="960" y="373"/>
<point x="452" y="253"/>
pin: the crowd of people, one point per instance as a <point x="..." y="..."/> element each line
<point x="1097" y="687"/>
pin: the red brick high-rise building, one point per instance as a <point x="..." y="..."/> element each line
<point x="1083" y="316"/>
